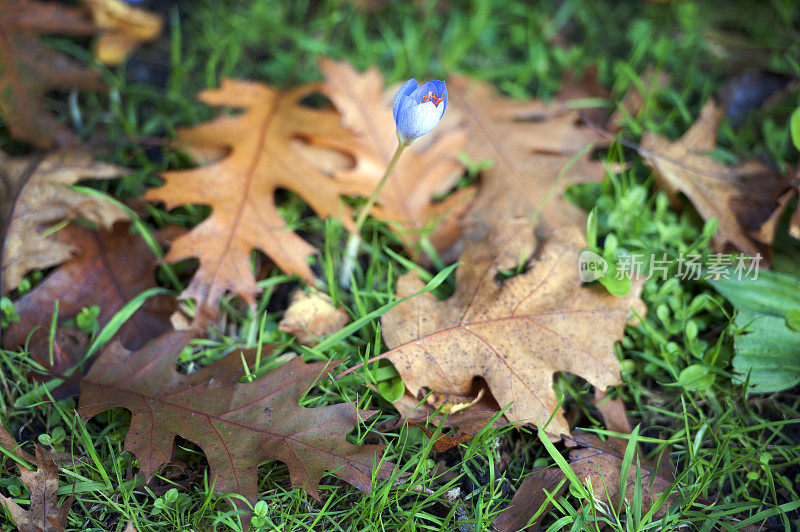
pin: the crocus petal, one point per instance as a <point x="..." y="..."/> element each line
<point x="435" y="86"/>
<point x="441" y="90"/>
<point x="416" y="119"/>
<point x="441" y="107"/>
<point x="406" y="89"/>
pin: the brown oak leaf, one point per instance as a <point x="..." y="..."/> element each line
<point x="515" y="335"/>
<point x="531" y="144"/>
<point x="29" y="69"/>
<point x="237" y="425"/>
<point x="44" y="513"/>
<point x="240" y="188"/>
<point x="40" y="198"/>
<point x="600" y="462"/>
<point x="10" y="444"/>
<point x="110" y="269"/>
<point x="746" y="199"/>
<point x="529" y="499"/>
<point x="427" y="169"/>
<point x="127" y="27"/>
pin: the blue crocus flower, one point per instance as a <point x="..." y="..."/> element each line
<point x="417" y="110"/>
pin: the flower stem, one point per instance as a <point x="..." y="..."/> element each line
<point x="362" y="214"/>
<point x="354" y="241"/>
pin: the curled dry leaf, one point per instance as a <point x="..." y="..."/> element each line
<point x="311" y="316"/>
<point x="427" y="169"/>
<point x="127" y="27"/>
<point x="237" y="425"/>
<point x="44" y="513"/>
<point x="455" y="427"/>
<point x="29" y="69"/>
<point x="515" y="335"/>
<point x="240" y="188"/>
<point x="43" y="199"/>
<point x="110" y="269"/>
<point x="747" y="199"/>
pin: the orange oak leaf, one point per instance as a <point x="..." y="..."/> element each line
<point x="240" y="188"/>
<point x="29" y="69"/>
<point x="40" y="197"/>
<point x="126" y="28"/>
<point x="44" y="513"/>
<point x="515" y="335"/>
<point x="429" y="168"/>
<point x="237" y="425"/>
<point x="747" y="199"/>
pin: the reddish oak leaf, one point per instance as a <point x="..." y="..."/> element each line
<point x="240" y="187"/>
<point x="111" y="268"/>
<point x="237" y="425"/>
<point x="29" y="68"/>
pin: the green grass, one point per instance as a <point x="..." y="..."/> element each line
<point x="738" y="456"/>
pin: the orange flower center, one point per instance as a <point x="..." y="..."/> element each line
<point x="431" y="98"/>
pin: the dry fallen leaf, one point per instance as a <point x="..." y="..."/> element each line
<point x="29" y="69"/>
<point x="8" y="442"/>
<point x="613" y="412"/>
<point x="601" y="463"/>
<point x="109" y="270"/>
<point x="310" y="316"/>
<point x="456" y="427"/>
<point x="794" y="225"/>
<point x="44" y="200"/>
<point x="515" y="335"/>
<point x="529" y="498"/>
<point x="128" y="26"/>
<point x="531" y="145"/>
<point x="747" y="199"/>
<point x="44" y="514"/>
<point x="427" y="169"/>
<point x="237" y="425"/>
<point x="240" y="188"/>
